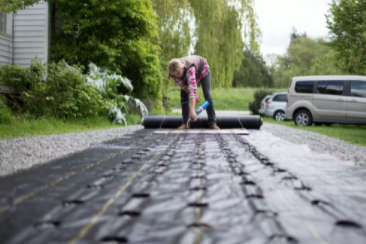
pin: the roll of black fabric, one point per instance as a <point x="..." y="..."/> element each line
<point x="230" y="122"/>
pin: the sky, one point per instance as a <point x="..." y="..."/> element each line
<point x="277" y="17"/>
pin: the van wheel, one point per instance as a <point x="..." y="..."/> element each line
<point x="303" y="118"/>
<point x="279" y="116"/>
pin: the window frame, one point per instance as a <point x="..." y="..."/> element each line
<point x="3" y="22"/>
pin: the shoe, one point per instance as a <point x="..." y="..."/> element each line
<point x="214" y="127"/>
<point x="183" y="127"/>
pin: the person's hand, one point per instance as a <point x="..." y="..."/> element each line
<point x="193" y="115"/>
<point x="198" y="99"/>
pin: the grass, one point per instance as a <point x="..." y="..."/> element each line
<point x="225" y="99"/>
<point x="21" y="127"/>
<point x="353" y="134"/>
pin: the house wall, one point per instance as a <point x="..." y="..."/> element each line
<point x="6" y="42"/>
<point x="31" y="34"/>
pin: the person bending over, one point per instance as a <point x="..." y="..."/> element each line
<point x="186" y="72"/>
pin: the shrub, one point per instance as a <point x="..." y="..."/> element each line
<point x="111" y="86"/>
<point x="22" y="79"/>
<point x="6" y="117"/>
<point x="254" y="106"/>
<point x="64" y="95"/>
<point x="68" y="93"/>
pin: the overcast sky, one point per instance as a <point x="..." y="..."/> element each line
<point x="277" y="17"/>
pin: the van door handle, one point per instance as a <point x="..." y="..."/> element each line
<point x="340" y="100"/>
<point x="354" y="101"/>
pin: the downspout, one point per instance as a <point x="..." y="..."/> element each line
<point x="13" y="37"/>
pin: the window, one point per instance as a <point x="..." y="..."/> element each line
<point x="280" y="98"/>
<point x="330" y="87"/>
<point x="304" y="86"/>
<point x="2" y="22"/>
<point x="358" y="88"/>
<point x="322" y="87"/>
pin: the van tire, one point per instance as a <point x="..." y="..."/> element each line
<point x="303" y="118"/>
<point x="279" y="115"/>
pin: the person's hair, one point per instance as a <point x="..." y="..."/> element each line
<point x="174" y="64"/>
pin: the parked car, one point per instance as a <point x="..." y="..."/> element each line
<point x="327" y="100"/>
<point x="263" y="105"/>
<point x="276" y="106"/>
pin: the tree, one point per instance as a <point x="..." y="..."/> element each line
<point x="253" y="72"/>
<point x="347" y="24"/>
<point x="114" y="34"/>
<point x="300" y="59"/>
<point x="216" y="30"/>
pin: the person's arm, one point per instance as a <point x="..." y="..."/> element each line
<point x="186" y="89"/>
<point x="192" y="87"/>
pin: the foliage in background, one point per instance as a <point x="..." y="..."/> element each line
<point x="304" y="57"/>
<point x="347" y="24"/>
<point x="259" y="95"/>
<point x="118" y="35"/>
<point x="253" y="72"/>
<point x="216" y="30"/>
<point x="110" y="86"/>
<point x="6" y="117"/>
<point x="68" y="94"/>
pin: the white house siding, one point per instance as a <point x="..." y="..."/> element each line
<point x="31" y="38"/>
<point x="6" y="42"/>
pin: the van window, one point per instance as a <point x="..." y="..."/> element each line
<point x="330" y="87"/>
<point x="280" y="98"/>
<point x="304" y="86"/>
<point x="358" y="88"/>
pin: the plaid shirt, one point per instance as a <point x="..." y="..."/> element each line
<point x="192" y="80"/>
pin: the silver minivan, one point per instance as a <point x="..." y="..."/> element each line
<point x="327" y="100"/>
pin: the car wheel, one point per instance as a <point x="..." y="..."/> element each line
<point x="303" y="118"/>
<point x="279" y="116"/>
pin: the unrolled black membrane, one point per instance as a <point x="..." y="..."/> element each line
<point x="227" y="122"/>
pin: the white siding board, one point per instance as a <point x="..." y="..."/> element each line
<point x="30" y="46"/>
<point x="32" y="50"/>
<point x="4" y="60"/>
<point x="6" y="50"/>
<point x="6" y="41"/>
<point x="30" y="17"/>
<point x="29" y="56"/>
<point x="31" y="34"/>
<point x="28" y="23"/>
<point x="32" y="11"/>
<point x="30" y="28"/>
<point x="5" y="53"/>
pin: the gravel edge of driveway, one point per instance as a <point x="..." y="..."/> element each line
<point x="25" y="152"/>
<point x="319" y="143"/>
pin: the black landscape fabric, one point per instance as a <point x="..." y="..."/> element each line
<point x="229" y="122"/>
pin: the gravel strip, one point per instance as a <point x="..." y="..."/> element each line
<point x="319" y="143"/>
<point x="25" y="152"/>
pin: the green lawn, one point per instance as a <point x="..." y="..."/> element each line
<point x="352" y="134"/>
<point x="225" y="99"/>
<point x="21" y="127"/>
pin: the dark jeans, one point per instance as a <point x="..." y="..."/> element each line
<point x="206" y="88"/>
